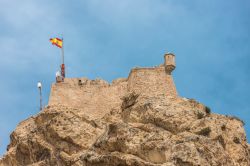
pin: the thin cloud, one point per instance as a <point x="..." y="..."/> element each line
<point x="210" y="42"/>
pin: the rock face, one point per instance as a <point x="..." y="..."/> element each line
<point x="139" y="121"/>
<point x="97" y="97"/>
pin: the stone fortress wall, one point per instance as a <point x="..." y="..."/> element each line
<point x="89" y="95"/>
<point x="92" y="96"/>
<point x="151" y="81"/>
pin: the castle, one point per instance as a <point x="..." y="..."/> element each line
<point x="89" y="95"/>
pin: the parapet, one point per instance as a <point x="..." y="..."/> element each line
<point x="97" y="97"/>
<point x="94" y="97"/>
<point x="151" y="81"/>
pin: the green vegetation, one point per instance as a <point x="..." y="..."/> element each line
<point x="179" y="141"/>
<point x="221" y="141"/>
<point x="200" y="115"/>
<point x="236" y="140"/>
<point x="223" y="127"/>
<point x="204" y="131"/>
<point x="207" y="110"/>
<point x="236" y="118"/>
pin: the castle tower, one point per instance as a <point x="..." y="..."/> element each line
<point x="169" y="62"/>
<point x="152" y="81"/>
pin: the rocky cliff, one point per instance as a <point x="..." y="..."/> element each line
<point x="139" y="121"/>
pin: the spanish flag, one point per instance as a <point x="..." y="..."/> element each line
<point x="56" y="41"/>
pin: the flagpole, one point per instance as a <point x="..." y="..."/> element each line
<point x="62" y="51"/>
<point x="59" y="43"/>
<point x="41" y="104"/>
<point x="39" y="86"/>
<point x="63" y="65"/>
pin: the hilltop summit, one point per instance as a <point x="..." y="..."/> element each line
<point x="140" y="121"/>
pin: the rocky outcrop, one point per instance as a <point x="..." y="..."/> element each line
<point x="136" y="121"/>
<point x="143" y="131"/>
<point x="97" y="97"/>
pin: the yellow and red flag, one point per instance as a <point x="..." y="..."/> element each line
<point x="56" y="41"/>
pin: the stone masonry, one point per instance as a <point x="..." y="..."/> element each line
<point x="83" y="93"/>
<point x="134" y="121"/>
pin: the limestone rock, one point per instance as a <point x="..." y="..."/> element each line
<point x="139" y="121"/>
<point x="145" y="130"/>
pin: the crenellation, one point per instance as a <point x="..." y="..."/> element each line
<point x="119" y="80"/>
<point x="93" y="122"/>
<point x="92" y="94"/>
<point x="151" y="81"/>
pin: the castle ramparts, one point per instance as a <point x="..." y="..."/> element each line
<point x="89" y="95"/>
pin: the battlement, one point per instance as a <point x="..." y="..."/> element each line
<point x="151" y="81"/>
<point x="89" y="95"/>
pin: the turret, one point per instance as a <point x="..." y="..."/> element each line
<point x="169" y="62"/>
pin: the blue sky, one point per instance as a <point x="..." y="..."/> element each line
<point x="105" y="39"/>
